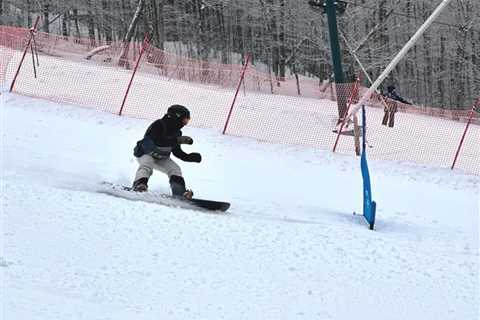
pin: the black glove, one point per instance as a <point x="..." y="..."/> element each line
<point x="184" y="140"/>
<point x="194" y="157"/>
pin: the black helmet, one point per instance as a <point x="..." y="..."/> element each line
<point x="178" y="111"/>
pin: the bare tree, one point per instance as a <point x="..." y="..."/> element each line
<point x="443" y="69"/>
<point x="130" y="32"/>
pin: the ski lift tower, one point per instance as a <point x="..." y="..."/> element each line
<point x="331" y="8"/>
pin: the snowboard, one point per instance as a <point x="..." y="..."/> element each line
<point x="125" y="192"/>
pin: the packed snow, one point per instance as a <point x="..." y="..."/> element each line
<point x="288" y="248"/>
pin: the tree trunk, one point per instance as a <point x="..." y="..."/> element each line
<point x="123" y="62"/>
<point x="65" y="20"/>
<point x="161" y="24"/>
<point x="75" y="21"/>
<point x="46" y="17"/>
<point x="275" y="49"/>
<point x="459" y="73"/>
<point x="442" y="67"/>
<point x="151" y="21"/>
<point x="28" y="9"/>
<point x="223" y="35"/>
<point x="201" y="43"/>
<point x="91" y="23"/>
<point x="281" y="38"/>
<point x="107" y="22"/>
<point x="125" y="11"/>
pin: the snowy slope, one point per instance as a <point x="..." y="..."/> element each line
<point x="289" y="248"/>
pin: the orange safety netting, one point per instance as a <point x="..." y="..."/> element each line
<point x="291" y="110"/>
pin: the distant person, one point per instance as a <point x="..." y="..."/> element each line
<point x="392" y="107"/>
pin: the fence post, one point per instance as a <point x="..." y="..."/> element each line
<point x="470" y="116"/>
<point x="137" y="63"/>
<point x="31" y="31"/>
<point x="350" y="101"/>
<point x="242" y="76"/>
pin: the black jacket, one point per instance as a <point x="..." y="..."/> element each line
<point x="160" y="139"/>
<point x="394" y="96"/>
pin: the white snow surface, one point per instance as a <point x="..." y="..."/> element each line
<point x="288" y="248"/>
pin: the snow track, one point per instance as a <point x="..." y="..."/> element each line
<point x="290" y="247"/>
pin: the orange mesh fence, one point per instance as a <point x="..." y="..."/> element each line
<point x="159" y="83"/>
<point x="397" y="131"/>
<point x="291" y="110"/>
<point x="11" y="40"/>
<point x="286" y="119"/>
<point x="64" y="74"/>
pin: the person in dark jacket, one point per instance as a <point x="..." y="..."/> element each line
<point x="392" y="107"/>
<point x="163" y="138"/>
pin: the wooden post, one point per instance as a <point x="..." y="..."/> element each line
<point x="356" y="135"/>
<point x="350" y="101"/>
<point x="144" y="44"/>
<point x="29" y="43"/>
<point x="236" y="93"/>
<point x="470" y="117"/>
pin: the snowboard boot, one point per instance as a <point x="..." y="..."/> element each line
<point x="177" y="184"/>
<point x="140" y="185"/>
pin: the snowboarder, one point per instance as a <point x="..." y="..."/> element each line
<point x="162" y="138"/>
<point x="391" y="109"/>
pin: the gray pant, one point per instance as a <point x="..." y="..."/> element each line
<point x="165" y="165"/>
